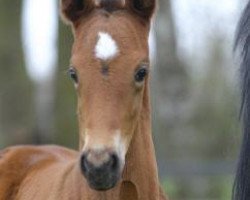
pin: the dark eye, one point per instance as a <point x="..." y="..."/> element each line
<point x="141" y="74"/>
<point x="73" y="75"/>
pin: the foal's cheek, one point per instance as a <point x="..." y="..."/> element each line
<point x="136" y="106"/>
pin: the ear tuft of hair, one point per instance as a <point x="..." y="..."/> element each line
<point x="111" y="5"/>
<point x="72" y="10"/>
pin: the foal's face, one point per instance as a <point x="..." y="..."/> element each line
<point x="109" y="67"/>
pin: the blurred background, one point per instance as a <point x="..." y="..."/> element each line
<point x="195" y="90"/>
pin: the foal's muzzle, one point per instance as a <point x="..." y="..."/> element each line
<point x="101" y="169"/>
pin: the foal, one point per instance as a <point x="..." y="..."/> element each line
<point x="110" y="68"/>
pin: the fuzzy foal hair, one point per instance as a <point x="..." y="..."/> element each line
<point x="111" y="5"/>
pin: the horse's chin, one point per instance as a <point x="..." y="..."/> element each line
<point x="104" y="182"/>
<point x="102" y="188"/>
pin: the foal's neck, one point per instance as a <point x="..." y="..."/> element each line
<point x="140" y="176"/>
<point x="141" y="167"/>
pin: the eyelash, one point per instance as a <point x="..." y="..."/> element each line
<point x="73" y="74"/>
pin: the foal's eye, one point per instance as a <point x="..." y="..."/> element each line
<point x="73" y="75"/>
<point x="141" y="74"/>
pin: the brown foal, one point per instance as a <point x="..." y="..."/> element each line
<point x="110" y="69"/>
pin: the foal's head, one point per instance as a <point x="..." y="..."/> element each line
<point x="109" y="67"/>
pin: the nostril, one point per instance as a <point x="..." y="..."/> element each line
<point x="114" y="161"/>
<point x="84" y="163"/>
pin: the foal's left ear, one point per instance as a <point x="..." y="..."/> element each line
<point x="72" y="10"/>
<point x="143" y="8"/>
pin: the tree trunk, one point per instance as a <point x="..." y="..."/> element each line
<point x="170" y="81"/>
<point x="15" y="87"/>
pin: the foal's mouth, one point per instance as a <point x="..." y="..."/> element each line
<point x="101" y="175"/>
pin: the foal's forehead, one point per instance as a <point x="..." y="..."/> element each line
<point x="107" y="36"/>
<point x="106" y="39"/>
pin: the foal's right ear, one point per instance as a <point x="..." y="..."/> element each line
<point x="143" y="8"/>
<point x="72" y="10"/>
